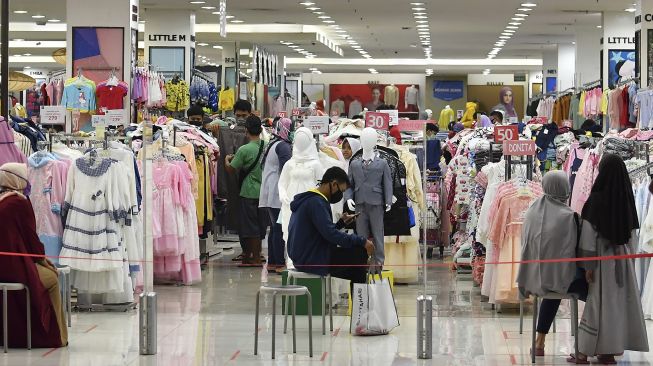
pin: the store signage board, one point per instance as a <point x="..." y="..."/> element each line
<point x="98" y="120"/>
<point x="412" y="125"/>
<point x="505" y="133"/>
<point x="519" y="148"/>
<point x="296" y="112"/>
<point x="53" y="115"/>
<point x="394" y="116"/>
<point x="282" y="114"/>
<point x="377" y="120"/>
<point x="317" y="124"/>
<point x="116" y="117"/>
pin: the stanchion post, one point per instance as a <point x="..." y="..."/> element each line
<point x="424" y="301"/>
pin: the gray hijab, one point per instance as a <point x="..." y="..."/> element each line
<point x="549" y="232"/>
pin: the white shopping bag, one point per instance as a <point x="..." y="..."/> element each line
<point x="374" y="311"/>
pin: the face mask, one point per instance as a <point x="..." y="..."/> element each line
<point x="336" y="197"/>
<point x="241" y="120"/>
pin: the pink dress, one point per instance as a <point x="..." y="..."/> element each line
<point x="165" y="223"/>
<point x="585" y="177"/>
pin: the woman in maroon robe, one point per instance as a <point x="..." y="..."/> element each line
<point x="18" y="235"/>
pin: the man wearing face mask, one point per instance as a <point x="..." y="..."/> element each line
<point x="314" y="239"/>
<point x="242" y="110"/>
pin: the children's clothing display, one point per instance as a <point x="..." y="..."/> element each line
<point x="110" y="95"/>
<point x="79" y="95"/>
<point x="226" y="99"/>
<point x="178" y="95"/>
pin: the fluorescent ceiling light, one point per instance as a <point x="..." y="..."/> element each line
<point x="599" y="26"/>
<point x="417" y="4"/>
<point x="318" y="12"/>
<point x="27" y="54"/>
<point x="418" y="13"/>
<point x="238" y="21"/>
<point x="299" y="49"/>
<point x="307" y="3"/>
<point x="518" y="19"/>
<point x="217" y="47"/>
<point x="529" y="5"/>
<point x="202" y="44"/>
<point x="515" y="23"/>
<point x="54" y="20"/>
<point x="421" y="21"/>
<point x="197" y="2"/>
<point x="419" y="9"/>
<point x="509" y="31"/>
<point x="521" y="15"/>
<point x="313" y="8"/>
<point x="208" y="7"/>
<point x="630" y="10"/>
<point x="423" y="26"/>
<point x="293" y="46"/>
<point x="506" y="34"/>
<point x="216" y="13"/>
<point x="524" y="9"/>
<point x="341" y="31"/>
<point x="328" y="21"/>
<point x="421" y="17"/>
<point x="38" y="16"/>
<point x="504" y="37"/>
<point x="20" y="11"/>
<point x="230" y="17"/>
<point x="17" y="39"/>
<point x="512" y="27"/>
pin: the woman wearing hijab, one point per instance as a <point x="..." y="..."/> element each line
<point x="278" y="152"/>
<point x="550" y="231"/>
<point x="350" y="146"/>
<point x="506" y="103"/>
<point x="613" y="321"/>
<point x="18" y="235"/>
<point x="484" y="121"/>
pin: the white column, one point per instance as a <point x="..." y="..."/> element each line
<point x="550" y="69"/>
<point x="566" y="66"/>
<point x="644" y="24"/>
<point x="588" y="51"/>
<point x="171" y="28"/>
<point x="618" y="34"/>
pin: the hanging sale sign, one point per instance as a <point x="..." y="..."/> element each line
<point x="503" y="133"/>
<point x="116" y="117"/>
<point x="317" y="124"/>
<point x="377" y="120"/>
<point x="53" y="115"/>
<point x="394" y="116"/>
<point x="282" y="114"/>
<point x="519" y="148"/>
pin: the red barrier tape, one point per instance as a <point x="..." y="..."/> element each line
<point x="445" y="264"/>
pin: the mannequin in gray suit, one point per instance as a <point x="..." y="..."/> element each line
<point x="371" y="186"/>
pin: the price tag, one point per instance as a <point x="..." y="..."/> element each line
<point x="98" y="121"/>
<point x="513" y="120"/>
<point x="377" y="120"/>
<point x="394" y="116"/>
<point x="317" y="124"/>
<point x="505" y="133"/>
<point x="282" y="114"/>
<point x="116" y="117"/>
<point x="296" y="112"/>
<point x="53" y="115"/>
<point x="519" y="148"/>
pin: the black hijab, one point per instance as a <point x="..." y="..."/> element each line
<point x="611" y="205"/>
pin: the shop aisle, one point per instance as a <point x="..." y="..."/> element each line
<point x="211" y="324"/>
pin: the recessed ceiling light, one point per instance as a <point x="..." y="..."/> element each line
<point x="509" y="31"/>
<point x="208" y="7"/>
<point x="599" y="26"/>
<point x="318" y="12"/>
<point x="20" y="11"/>
<point x="512" y="27"/>
<point x="238" y="21"/>
<point x="422" y="26"/>
<point x="197" y="2"/>
<point x="54" y="20"/>
<point x="217" y="47"/>
<point x="521" y="15"/>
<point x="529" y="5"/>
<point x="630" y="10"/>
<point x="202" y="44"/>
<point x="313" y="8"/>
<point x="504" y="37"/>
<point x="293" y="46"/>
<point x="515" y="23"/>
<point x="27" y="54"/>
<point x="230" y="17"/>
<point x="328" y="21"/>
<point x="421" y="21"/>
<point x="38" y="16"/>
<point x="416" y="13"/>
<point x="216" y="13"/>
<point x="421" y="17"/>
<point x="307" y="3"/>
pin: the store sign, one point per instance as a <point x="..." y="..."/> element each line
<point x="117" y="117"/>
<point x="378" y="121"/>
<point x="167" y="37"/>
<point x="519" y="148"/>
<point x="494" y="83"/>
<point x="394" y="116"/>
<point x="53" y="115"/>
<point x="317" y="124"/>
<point x="621" y="40"/>
<point x="412" y="125"/>
<point x="505" y="133"/>
<point x="98" y="120"/>
<point x="448" y="90"/>
<point x="282" y="114"/>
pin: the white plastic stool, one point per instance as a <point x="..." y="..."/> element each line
<point x="64" y="285"/>
<point x="15" y="287"/>
<point x="293" y="276"/>
<point x="288" y="291"/>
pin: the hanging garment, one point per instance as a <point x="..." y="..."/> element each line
<point x="79" y="95"/>
<point x="178" y="96"/>
<point x="9" y="152"/>
<point x="391" y="95"/>
<point x="110" y="97"/>
<point x="411" y="97"/>
<point x="447" y="115"/>
<point x="227" y="99"/>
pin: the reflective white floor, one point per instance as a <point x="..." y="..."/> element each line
<point x="213" y="324"/>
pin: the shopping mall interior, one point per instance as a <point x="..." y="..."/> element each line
<point x="326" y="182"/>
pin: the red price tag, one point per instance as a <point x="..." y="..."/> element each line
<point x="519" y="148"/>
<point x="296" y="112"/>
<point x="282" y="114"/>
<point x="378" y="121"/>
<point x="505" y="133"/>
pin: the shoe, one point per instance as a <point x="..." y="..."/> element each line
<point x="539" y="352"/>
<point x="573" y="359"/>
<point x="606" y="360"/>
<point x="238" y="258"/>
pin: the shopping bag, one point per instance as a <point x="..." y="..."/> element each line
<point x="374" y="311"/>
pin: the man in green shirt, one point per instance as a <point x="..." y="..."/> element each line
<point x="247" y="161"/>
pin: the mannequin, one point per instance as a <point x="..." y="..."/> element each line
<point x="337" y="107"/>
<point x="391" y="95"/>
<point x="300" y="174"/>
<point x="355" y="108"/>
<point x="411" y="99"/>
<point x="371" y="187"/>
<point x="447" y="116"/>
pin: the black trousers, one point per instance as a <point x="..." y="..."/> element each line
<point x="549" y="307"/>
<point x="349" y="264"/>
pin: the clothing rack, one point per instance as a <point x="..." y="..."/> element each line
<point x="644" y="168"/>
<point x="201" y="75"/>
<point x="529" y="162"/>
<point x="56" y="73"/>
<point x="592" y="84"/>
<point x="628" y="80"/>
<point x="566" y="91"/>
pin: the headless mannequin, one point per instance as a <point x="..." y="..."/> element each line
<point x="371" y="186"/>
<point x="301" y="173"/>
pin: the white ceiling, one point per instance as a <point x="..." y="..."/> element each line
<point x="384" y="28"/>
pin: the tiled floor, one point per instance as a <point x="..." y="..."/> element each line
<point x="213" y="324"/>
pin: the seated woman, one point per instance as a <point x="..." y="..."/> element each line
<point x="550" y="231"/>
<point x="18" y="235"/>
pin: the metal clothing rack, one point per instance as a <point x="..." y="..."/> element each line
<point x="592" y="84"/>
<point x="202" y="75"/>
<point x="628" y="80"/>
<point x="529" y="162"/>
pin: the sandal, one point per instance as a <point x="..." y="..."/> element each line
<point x="539" y="352"/>
<point x="607" y="360"/>
<point x="579" y="361"/>
<point x="238" y="258"/>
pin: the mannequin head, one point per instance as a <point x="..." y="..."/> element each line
<point x="429" y="113"/>
<point x="368" y="142"/>
<point x="303" y="139"/>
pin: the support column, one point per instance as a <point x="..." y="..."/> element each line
<point x="588" y="54"/>
<point x="550" y="70"/>
<point x="566" y="66"/>
<point x="4" y="58"/>
<point x="170" y="41"/>
<point x="618" y="46"/>
<point x="644" y="25"/>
